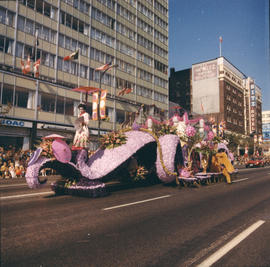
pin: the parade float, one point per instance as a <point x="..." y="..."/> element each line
<point x="180" y="151"/>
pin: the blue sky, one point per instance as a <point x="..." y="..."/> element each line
<point x="195" y="27"/>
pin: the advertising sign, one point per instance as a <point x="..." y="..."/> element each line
<point x="16" y="123"/>
<point x="205" y="71"/>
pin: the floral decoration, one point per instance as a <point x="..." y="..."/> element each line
<point x="190" y="131"/>
<point x="46" y="146"/>
<point x="164" y="129"/>
<point x="112" y="140"/>
<point x="141" y="173"/>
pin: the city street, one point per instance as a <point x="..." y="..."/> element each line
<point x="219" y="224"/>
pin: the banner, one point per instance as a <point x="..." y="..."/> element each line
<point x="95" y="106"/>
<point x="102" y="108"/>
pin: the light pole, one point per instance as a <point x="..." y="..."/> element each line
<point x="98" y="107"/>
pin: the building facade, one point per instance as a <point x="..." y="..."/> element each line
<point x="180" y="84"/>
<point x="213" y="89"/>
<point x="253" y="104"/>
<point x="133" y="35"/>
<point x="266" y="125"/>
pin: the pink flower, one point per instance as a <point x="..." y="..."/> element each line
<point x="210" y="135"/>
<point x="190" y="131"/>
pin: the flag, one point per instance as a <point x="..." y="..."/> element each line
<point x="95" y="106"/>
<point x="102" y="105"/>
<point x="104" y="67"/>
<point x="125" y="91"/>
<point x="26" y="67"/>
<point x="74" y="55"/>
<point x="36" y="68"/>
<point x="220" y="39"/>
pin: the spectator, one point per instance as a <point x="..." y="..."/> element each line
<point x="12" y="170"/>
<point x="4" y="169"/>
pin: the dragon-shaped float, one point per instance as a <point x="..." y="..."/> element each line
<point x="177" y="150"/>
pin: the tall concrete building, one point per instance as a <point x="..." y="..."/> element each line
<point x="131" y="34"/>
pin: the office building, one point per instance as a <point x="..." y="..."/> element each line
<point x="217" y="90"/>
<point x="132" y="35"/>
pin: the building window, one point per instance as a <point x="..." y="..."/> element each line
<point x="47" y="102"/>
<point x="21" y="97"/>
<point x="7" y="94"/>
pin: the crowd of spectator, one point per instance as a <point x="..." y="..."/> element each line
<point x="13" y="162"/>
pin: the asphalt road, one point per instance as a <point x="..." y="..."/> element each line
<point x="219" y="224"/>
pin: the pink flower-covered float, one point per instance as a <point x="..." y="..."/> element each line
<point x="176" y="150"/>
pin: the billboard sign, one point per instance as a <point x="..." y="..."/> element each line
<point x="205" y="71"/>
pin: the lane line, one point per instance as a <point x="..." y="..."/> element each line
<point x="27" y="195"/>
<point x="225" y="249"/>
<point x="135" y="203"/>
<point x="240" y="180"/>
<point x="10" y="185"/>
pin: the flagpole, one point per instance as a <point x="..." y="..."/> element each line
<point x="220" y="41"/>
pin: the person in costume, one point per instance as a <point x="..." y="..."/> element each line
<point x="221" y="163"/>
<point x="81" y="138"/>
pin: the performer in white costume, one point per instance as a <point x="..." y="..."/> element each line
<point x="81" y="138"/>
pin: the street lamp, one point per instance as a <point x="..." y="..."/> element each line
<point x="98" y="107"/>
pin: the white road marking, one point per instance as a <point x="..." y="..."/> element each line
<point x="137" y="202"/>
<point x="225" y="249"/>
<point x="27" y="195"/>
<point x="240" y="180"/>
<point x="10" y="185"/>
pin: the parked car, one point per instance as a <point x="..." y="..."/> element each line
<point x="255" y="162"/>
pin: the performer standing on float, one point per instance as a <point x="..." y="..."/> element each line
<point x="81" y="138"/>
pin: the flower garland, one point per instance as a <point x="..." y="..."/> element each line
<point x="160" y="152"/>
<point x="113" y="139"/>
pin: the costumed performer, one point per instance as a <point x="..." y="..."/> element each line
<point x="81" y="138"/>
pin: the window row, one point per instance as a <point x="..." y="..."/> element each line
<point x="121" y="83"/>
<point x="161" y="52"/>
<point x="74" y="23"/>
<point x="143" y="91"/>
<point x="34" y="28"/>
<point x="100" y="56"/>
<point x="82" y="5"/>
<point x="122" y="11"/>
<point x="161" y="67"/>
<point x="160" y="97"/>
<point x="163" y="10"/>
<point x="25" y="98"/>
<point x="145" y="11"/>
<point x="144" y="75"/>
<point x="161" y="37"/>
<point x="125" y="31"/>
<point x="108" y="3"/>
<point x="126" y="67"/>
<point x="125" y="49"/>
<point x="7" y="17"/>
<point x="42" y="7"/>
<point x="160" y="82"/>
<point x="160" y="22"/>
<point x="102" y="37"/>
<point x="144" y="58"/>
<point x="144" y="26"/>
<point x="72" y="44"/>
<point x="144" y="42"/>
<point x="102" y="18"/>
